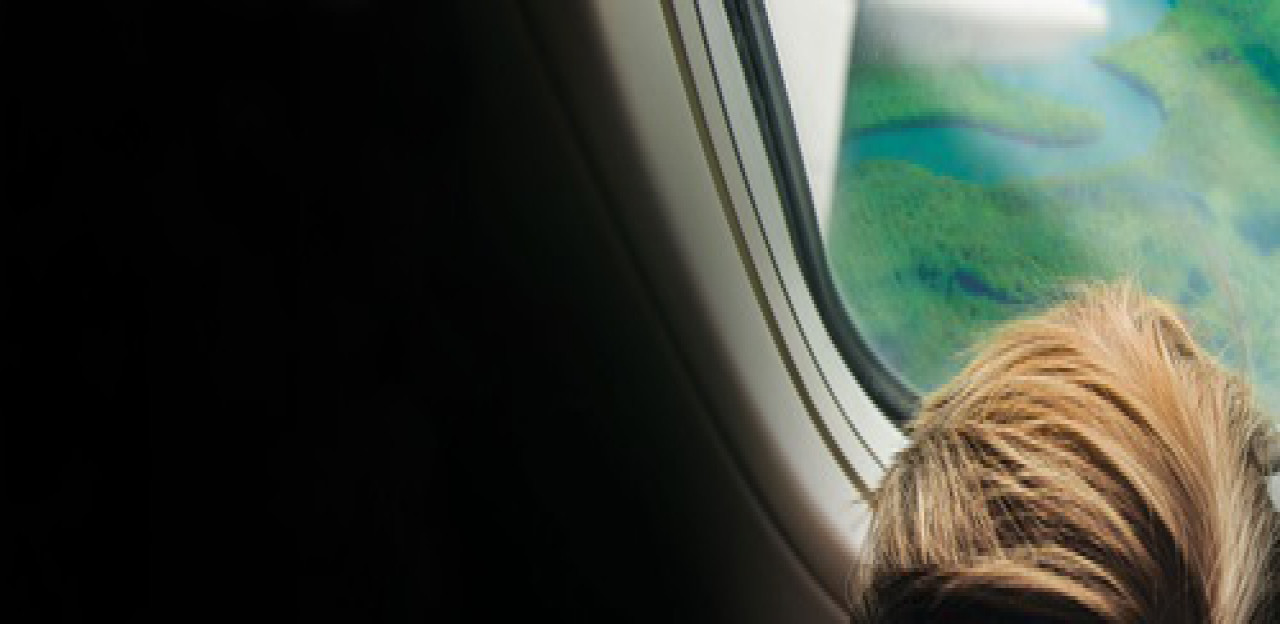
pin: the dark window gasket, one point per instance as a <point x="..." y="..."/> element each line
<point x="752" y="37"/>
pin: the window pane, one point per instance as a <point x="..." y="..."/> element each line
<point x="973" y="189"/>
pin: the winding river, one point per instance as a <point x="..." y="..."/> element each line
<point x="1131" y="113"/>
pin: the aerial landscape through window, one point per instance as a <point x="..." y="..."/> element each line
<point x="973" y="193"/>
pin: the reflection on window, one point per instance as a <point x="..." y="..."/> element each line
<point x="973" y="191"/>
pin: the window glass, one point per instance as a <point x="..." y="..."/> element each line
<point x="974" y="186"/>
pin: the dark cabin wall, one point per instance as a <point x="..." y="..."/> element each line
<point x="311" y="313"/>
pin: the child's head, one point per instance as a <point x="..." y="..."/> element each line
<point x="1092" y="464"/>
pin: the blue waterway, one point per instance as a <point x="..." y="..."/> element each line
<point x="1131" y="113"/>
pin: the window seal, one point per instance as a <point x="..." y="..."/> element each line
<point x="749" y="23"/>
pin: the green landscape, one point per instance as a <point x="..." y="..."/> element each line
<point x="928" y="263"/>
<point x="889" y="96"/>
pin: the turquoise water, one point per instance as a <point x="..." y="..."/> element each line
<point x="944" y="229"/>
<point x="1132" y="116"/>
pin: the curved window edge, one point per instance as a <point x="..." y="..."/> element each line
<point x="767" y="83"/>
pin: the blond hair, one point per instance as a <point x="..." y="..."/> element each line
<point x="1092" y="464"/>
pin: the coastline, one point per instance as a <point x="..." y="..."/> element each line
<point x="1043" y="139"/>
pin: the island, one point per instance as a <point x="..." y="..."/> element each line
<point x="928" y="262"/>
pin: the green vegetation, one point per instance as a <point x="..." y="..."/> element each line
<point x="886" y="96"/>
<point x="927" y="264"/>
<point x="905" y="235"/>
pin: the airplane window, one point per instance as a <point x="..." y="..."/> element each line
<point x="992" y="155"/>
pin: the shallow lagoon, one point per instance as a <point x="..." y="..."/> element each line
<point x="985" y="152"/>
<point x="949" y="220"/>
